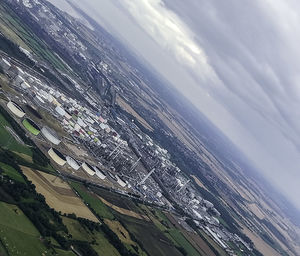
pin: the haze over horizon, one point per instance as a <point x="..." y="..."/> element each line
<point x="238" y="62"/>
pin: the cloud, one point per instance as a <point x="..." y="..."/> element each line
<point x="166" y="29"/>
<point x="244" y="54"/>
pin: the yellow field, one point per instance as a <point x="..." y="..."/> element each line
<point x="24" y="156"/>
<point x="124" y="105"/>
<point x="124" y="211"/>
<point x="260" y="244"/>
<point x="58" y="194"/>
<point x="120" y="231"/>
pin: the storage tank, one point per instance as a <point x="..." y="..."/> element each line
<point x="120" y="181"/>
<point x="99" y="173"/>
<point x="31" y="126"/>
<point x="68" y="115"/>
<point x="15" y="109"/>
<point x="73" y="163"/>
<point x="88" y="168"/>
<point x="50" y="135"/>
<point x="25" y="85"/>
<point x="57" y="157"/>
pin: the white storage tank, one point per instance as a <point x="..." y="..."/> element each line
<point x="68" y="115"/>
<point x="25" y="85"/>
<point x="121" y="182"/>
<point x="15" y="109"/>
<point x="50" y="135"/>
<point x="57" y="157"/>
<point x="88" y="168"/>
<point x="73" y="163"/>
<point x="99" y="173"/>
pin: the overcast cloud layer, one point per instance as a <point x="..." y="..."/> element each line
<point x="237" y="61"/>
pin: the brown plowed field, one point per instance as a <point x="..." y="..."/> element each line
<point x="58" y="194"/>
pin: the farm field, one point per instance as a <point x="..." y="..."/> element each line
<point x="12" y="26"/>
<point x="18" y="234"/>
<point x="152" y="239"/>
<point x="123" y="210"/>
<point x="179" y="240"/>
<point x="104" y="212"/>
<point x="213" y="244"/>
<point x="11" y="172"/>
<point x="175" y="235"/>
<point x="102" y="246"/>
<point x="118" y="200"/>
<point x="123" y="235"/>
<point x="58" y="195"/>
<point x="198" y="243"/>
<point x="94" y="202"/>
<point x="8" y="141"/>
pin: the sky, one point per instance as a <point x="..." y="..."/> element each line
<point x="237" y="61"/>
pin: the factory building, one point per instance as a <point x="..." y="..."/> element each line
<point x="18" y="80"/>
<point x="57" y="157"/>
<point x="31" y="126"/>
<point x="50" y="135"/>
<point x="59" y="110"/>
<point x="15" y="109"/>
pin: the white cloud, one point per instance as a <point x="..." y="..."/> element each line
<point x="166" y="29"/>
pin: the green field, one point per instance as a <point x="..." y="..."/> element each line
<point x="174" y="235"/>
<point x="118" y="200"/>
<point x="18" y="234"/>
<point x="8" y="141"/>
<point x="18" y="31"/>
<point x="213" y="244"/>
<point x="179" y="240"/>
<point x="100" y="208"/>
<point x="101" y="245"/>
<point x="153" y="240"/>
<point x="64" y="253"/>
<point x="11" y="172"/>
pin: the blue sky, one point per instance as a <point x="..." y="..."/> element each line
<point x="237" y="61"/>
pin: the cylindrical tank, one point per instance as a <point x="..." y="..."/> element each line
<point x="99" y="173"/>
<point x="88" y="168"/>
<point x="50" y="135"/>
<point x="121" y="182"/>
<point x="25" y="85"/>
<point x="31" y="126"/>
<point x="73" y="163"/>
<point x="15" y="109"/>
<point x="56" y="156"/>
